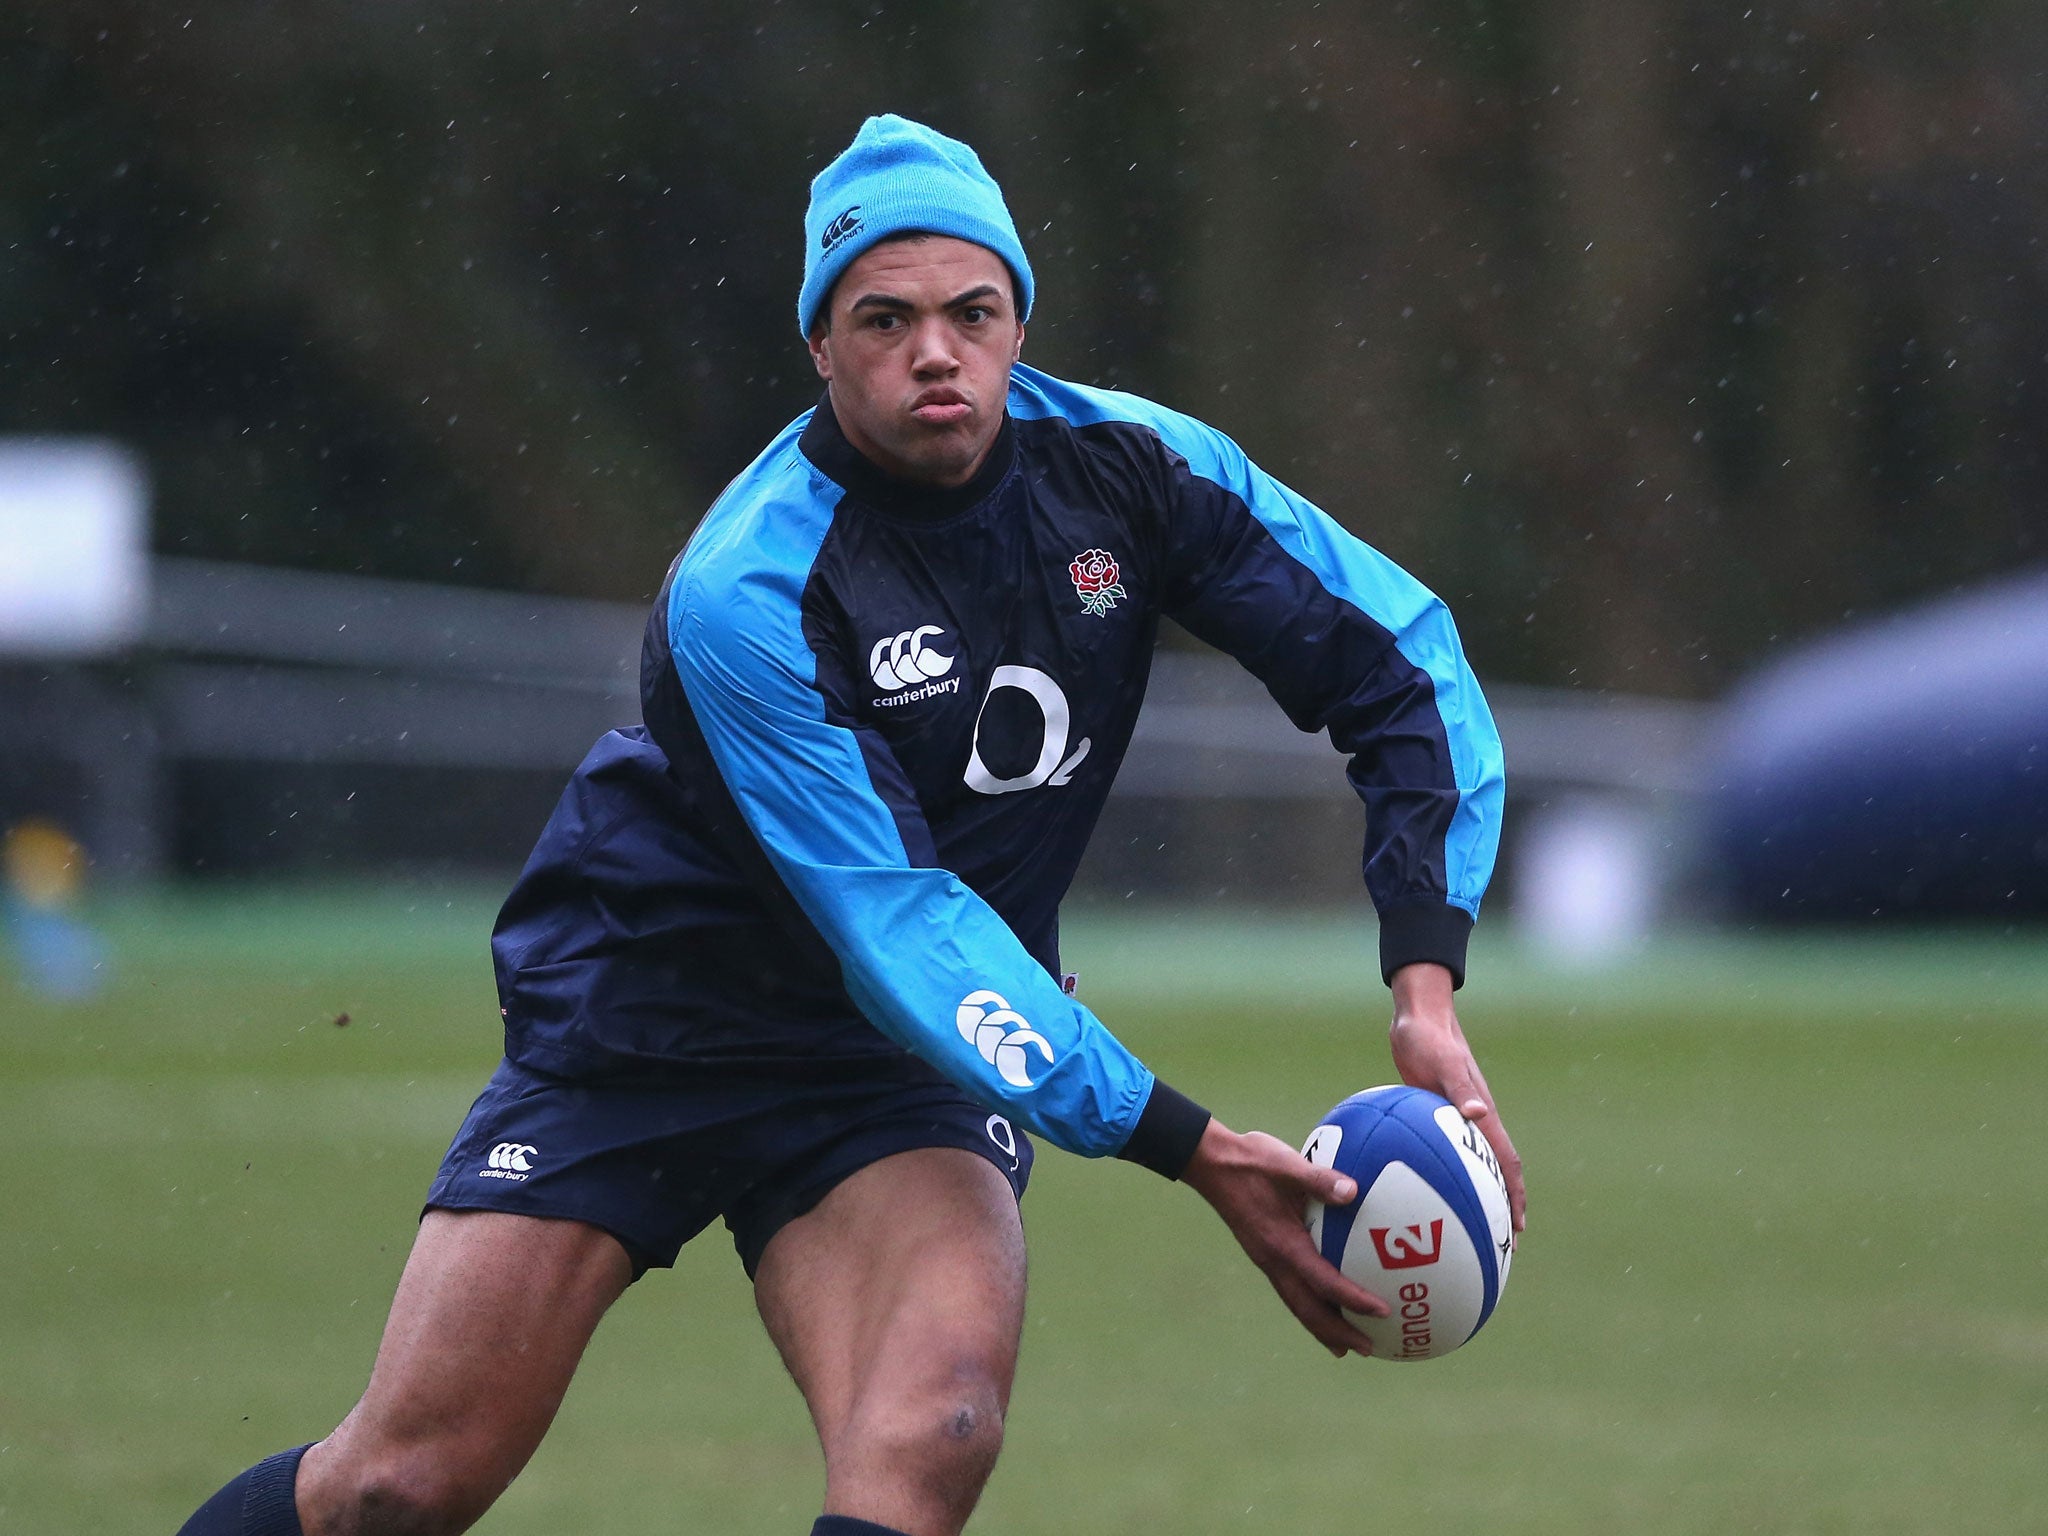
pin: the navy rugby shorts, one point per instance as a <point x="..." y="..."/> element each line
<point x="653" y="1163"/>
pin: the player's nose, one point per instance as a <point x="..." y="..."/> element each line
<point x="933" y="352"/>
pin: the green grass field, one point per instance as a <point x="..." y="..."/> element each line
<point x="1787" y="1266"/>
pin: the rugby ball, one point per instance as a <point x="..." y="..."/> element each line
<point x="1429" y="1232"/>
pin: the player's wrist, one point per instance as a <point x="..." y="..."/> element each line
<point x="1422" y="989"/>
<point x="1170" y="1128"/>
<point x="1220" y="1152"/>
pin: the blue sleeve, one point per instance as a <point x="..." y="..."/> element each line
<point x="927" y="961"/>
<point x="1349" y="644"/>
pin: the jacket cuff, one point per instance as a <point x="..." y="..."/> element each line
<point x="1167" y="1132"/>
<point x="1433" y="931"/>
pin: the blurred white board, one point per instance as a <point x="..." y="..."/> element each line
<point x="74" y="547"/>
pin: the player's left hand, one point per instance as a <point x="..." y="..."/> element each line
<point x="1430" y="1052"/>
<point x="1259" y="1186"/>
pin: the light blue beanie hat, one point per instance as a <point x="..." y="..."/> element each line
<point x="897" y="177"/>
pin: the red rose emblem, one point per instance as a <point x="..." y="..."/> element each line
<point x="1093" y="570"/>
<point x="1095" y="578"/>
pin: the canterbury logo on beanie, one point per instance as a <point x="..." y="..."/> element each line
<point x="896" y="178"/>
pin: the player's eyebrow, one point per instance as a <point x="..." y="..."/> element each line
<point x="891" y="301"/>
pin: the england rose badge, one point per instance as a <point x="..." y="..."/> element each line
<point x="1095" y="578"/>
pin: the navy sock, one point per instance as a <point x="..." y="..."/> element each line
<point x="846" y="1525"/>
<point x="257" y="1503"/>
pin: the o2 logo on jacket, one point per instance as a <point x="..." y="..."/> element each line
<point x="1053" y="765"/>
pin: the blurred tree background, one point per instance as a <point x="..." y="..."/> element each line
<point x="1650" y="332"/>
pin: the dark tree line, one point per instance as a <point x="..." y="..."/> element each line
<point x="1651" y="333"/>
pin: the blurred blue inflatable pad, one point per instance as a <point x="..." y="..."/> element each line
<point x="1899" y="769"/>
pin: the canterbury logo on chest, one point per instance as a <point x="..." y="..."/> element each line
<point x="910" y="667"/>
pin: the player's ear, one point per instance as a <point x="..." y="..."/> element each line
<point x="1017" y="352"/>
<point x="820" y="344"/>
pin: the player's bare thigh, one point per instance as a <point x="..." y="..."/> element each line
<point x="491" y="1317"/>
<point x="897" y="1304"/>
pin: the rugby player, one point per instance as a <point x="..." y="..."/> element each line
<point x="787" y="954"/>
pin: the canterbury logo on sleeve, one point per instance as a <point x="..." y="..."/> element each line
<point x="1000" y="1033"/>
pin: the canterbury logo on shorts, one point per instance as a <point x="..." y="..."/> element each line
<point x="508" y="1160"/>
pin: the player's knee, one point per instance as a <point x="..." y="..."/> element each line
<point x="950" y="1449"/>
<point x="970" y="1430"/>
<point x="414" y="1492"/>
<point x="945" y="1440"/>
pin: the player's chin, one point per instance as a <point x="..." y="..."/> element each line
<point x="944" y="454"/>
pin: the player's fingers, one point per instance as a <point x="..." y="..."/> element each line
<point x="1475" y="1102"/>
<point x="1338" y="1289"/>
<point x="1325" y="1323"/>
<point x="1295" y="1253"/>
<point x="1496" y="1133"/>
<point x="1518" y="1194"/>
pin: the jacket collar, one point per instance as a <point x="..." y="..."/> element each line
<point x="824" y="443"/>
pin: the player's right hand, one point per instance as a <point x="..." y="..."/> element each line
<point x="1259" y="1186"/>
<point x="1430" y="1052"/>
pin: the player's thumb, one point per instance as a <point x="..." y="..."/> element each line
<point x="1315" y="1180"/>
<point x="1330" y="1186"/>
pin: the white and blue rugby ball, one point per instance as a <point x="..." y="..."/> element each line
<point x="1429" y="1233"/>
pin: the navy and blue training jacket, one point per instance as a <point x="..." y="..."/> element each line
<point x="881" y="721"/>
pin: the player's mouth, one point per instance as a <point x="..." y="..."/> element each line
<point x="941" y="407"/>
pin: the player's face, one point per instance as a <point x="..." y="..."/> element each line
<point x="918" y="356"/>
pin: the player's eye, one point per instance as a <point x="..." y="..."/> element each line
<point x="977" y="314"/>
<point x="885" y="321"/>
